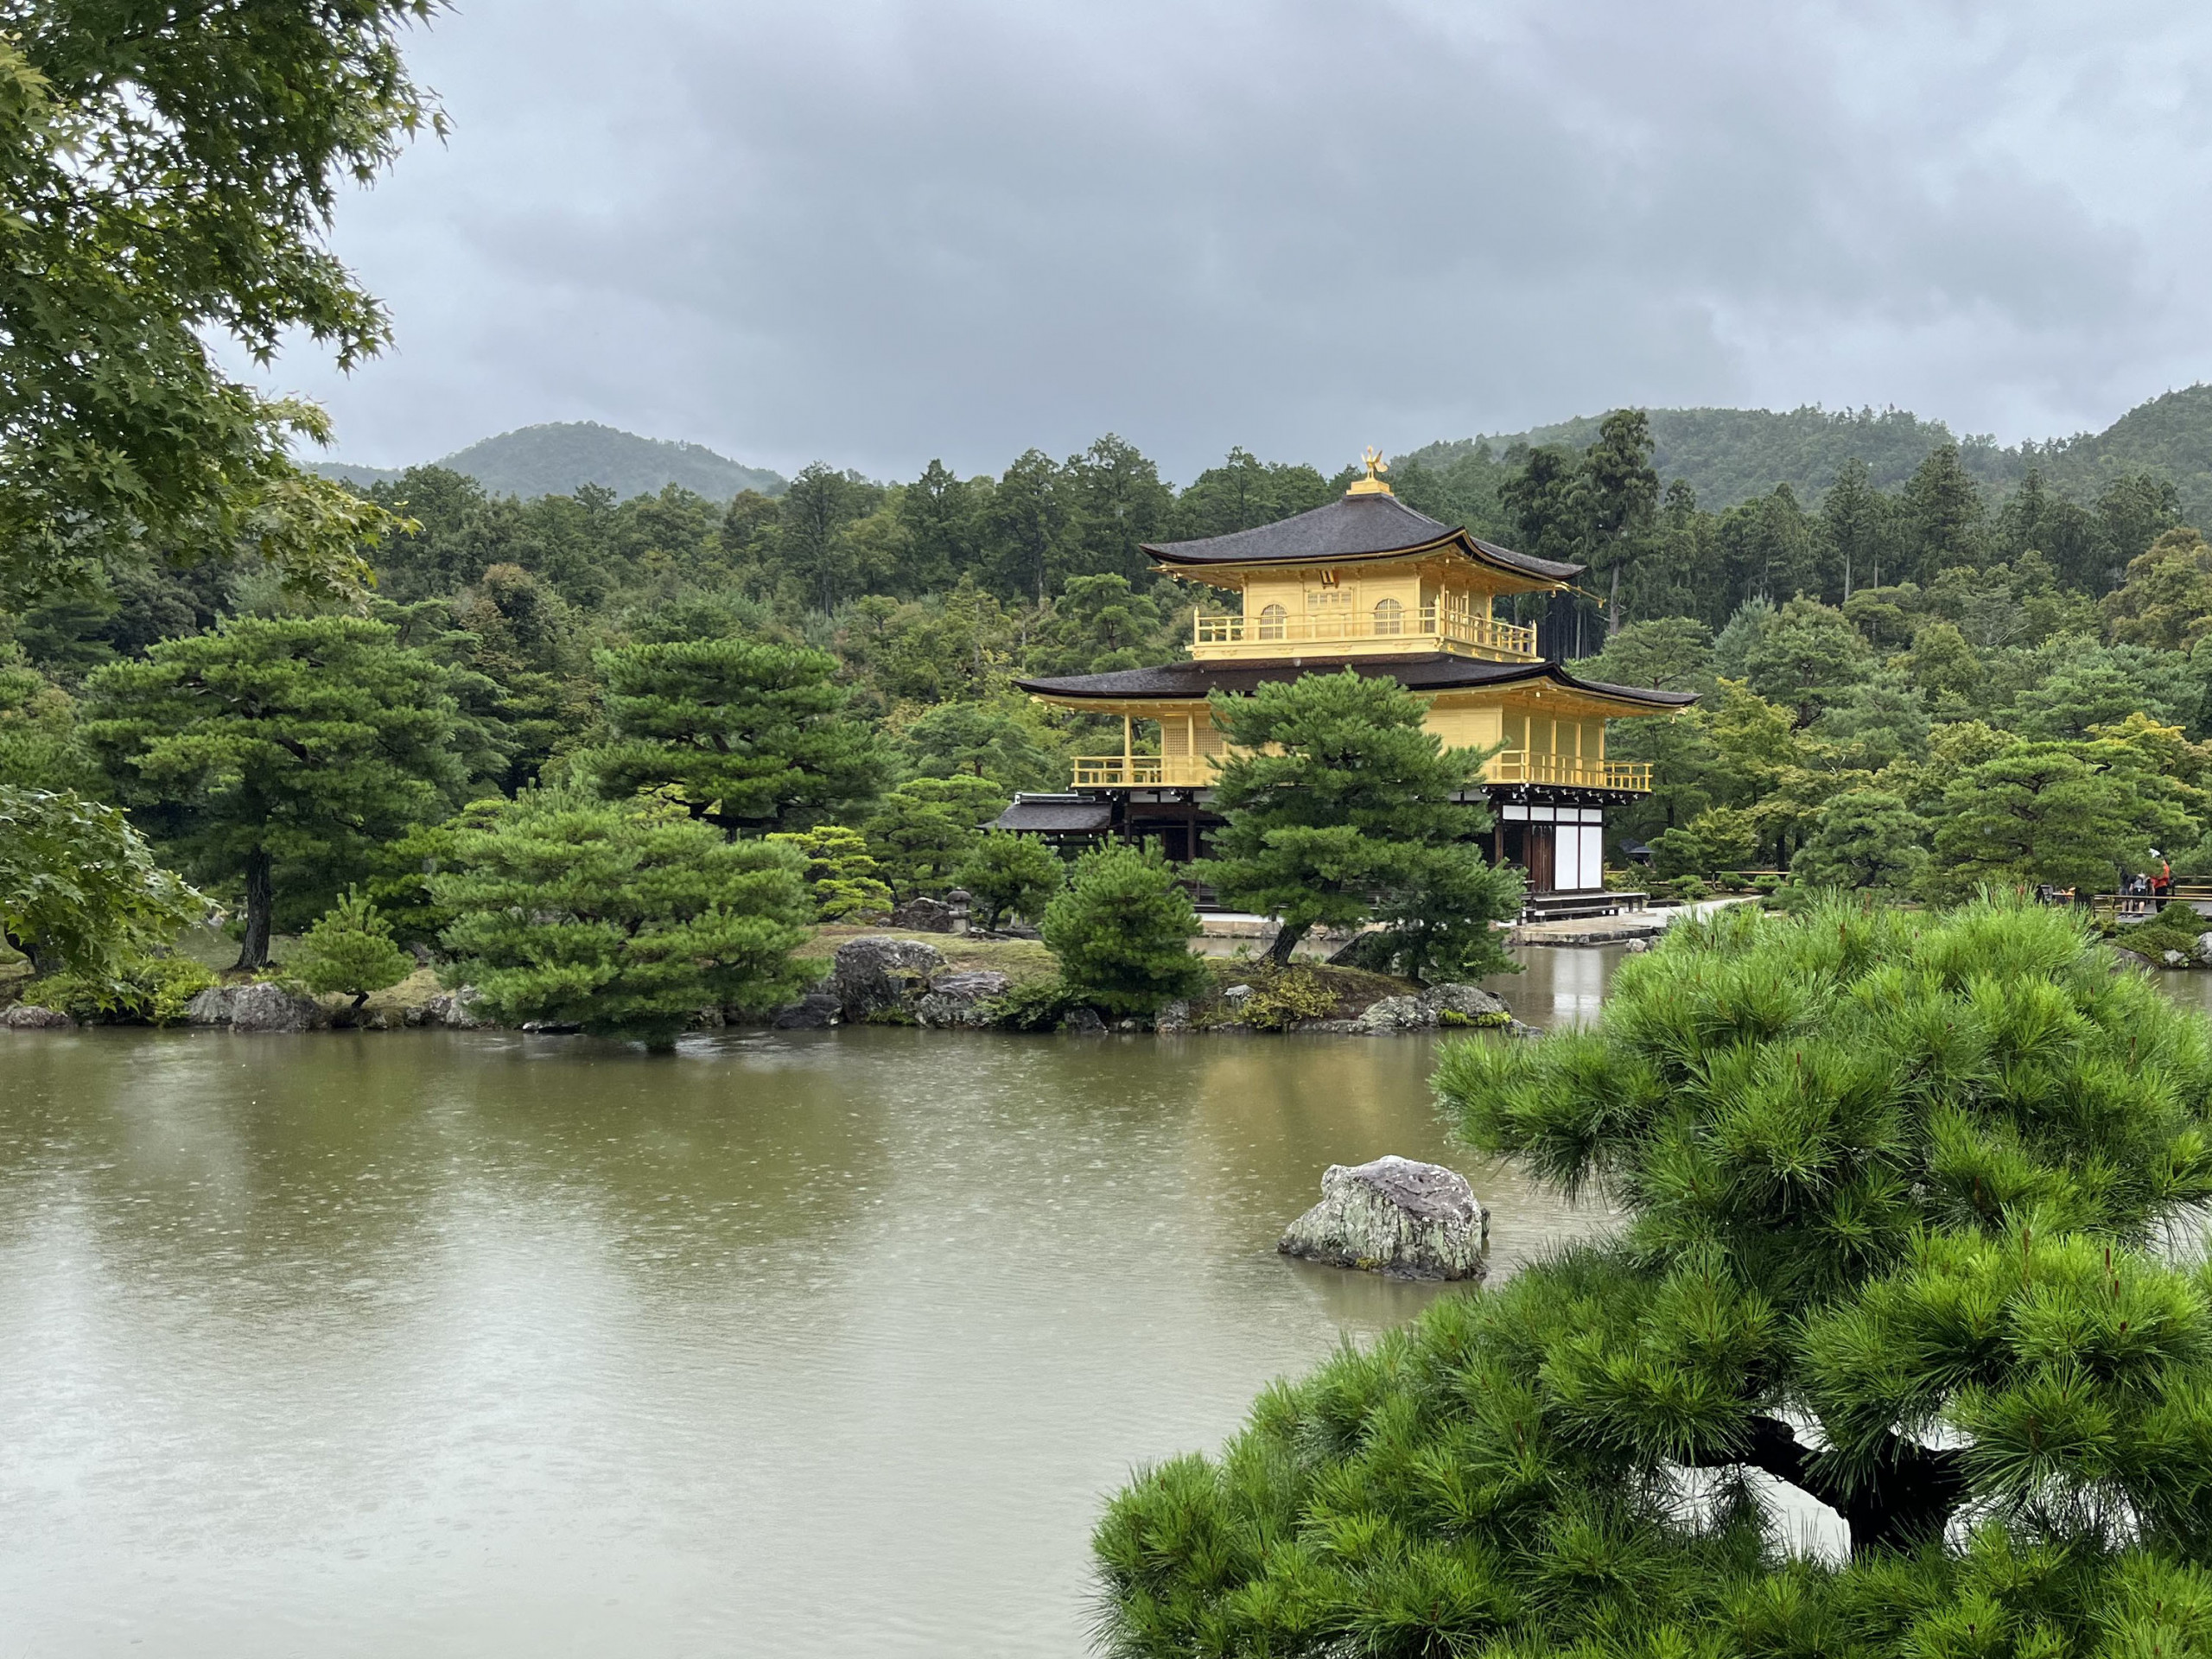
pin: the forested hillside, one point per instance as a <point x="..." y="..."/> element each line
<point x="563" y="456"/>
<point x="1880" y="665"/>
<point x="1728" y="455"/>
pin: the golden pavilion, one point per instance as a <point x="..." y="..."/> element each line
<point x="1368" y="583"/>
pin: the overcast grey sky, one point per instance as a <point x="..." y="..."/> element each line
<point x="874" y="232"/>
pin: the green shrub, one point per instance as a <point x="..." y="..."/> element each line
<point x="2175" y="927"/>
<point x="1899" y="1191"/>
<point x="1766" y="884"/>
<point x="1040" y="1005"/>
<point x="1121" y="931"/>
<point x="146" y="991"/>
<point x="349" y="952"/>
<point x="1286" y="998"/>
<point x="1688" y="889"/>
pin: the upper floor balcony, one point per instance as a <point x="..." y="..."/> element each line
<point x="1386" y="627"/>
<point x="1507" y="767"/>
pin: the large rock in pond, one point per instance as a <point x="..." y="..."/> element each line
<point x="962" y="997"/>
<point x="1456" y="1006"/>
<point x="1395" y="1217"/>
<point x="874" y="975"/>
<point x="28" y="1016"/>
<point x="261" y="1007"/>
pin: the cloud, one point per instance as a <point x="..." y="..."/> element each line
<point x="876" y="232"/>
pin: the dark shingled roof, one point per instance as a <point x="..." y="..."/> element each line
<point x="1050" y="814"/>
<point x="1428" y="671"/>
<point x="1353" y="527"/>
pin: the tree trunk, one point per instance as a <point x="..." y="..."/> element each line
<point x="1613" y="604"/>
<point x="1909" y="1501"/>
<point x="1287" y="940"/>
<point x="253" y="950"/>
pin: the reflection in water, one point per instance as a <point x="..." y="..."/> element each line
<point x="815" y="1344"/>
<point x="1557" y="986"/>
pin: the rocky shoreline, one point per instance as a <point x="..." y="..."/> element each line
<point x="885" y="980"/>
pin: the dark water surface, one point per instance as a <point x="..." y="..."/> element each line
<point x="807" y="1343"/>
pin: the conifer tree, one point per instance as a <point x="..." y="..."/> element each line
<point x="1865" y="838"/>
<point x="1893" y="1188"/>
<point x="1122" y="930"/>
<point x="927" y="828"/>
<point x="1356" y="799"/>
<point x="349" y="952"/>
<point x="841" y="876"/>
<point x="625" y="918"/>
<point x="1011" y="873"/>
<point x="292" y="743"/>
<point x="750" y="736"/>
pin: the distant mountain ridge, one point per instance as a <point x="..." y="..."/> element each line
<point x="1726" y="455"/>
<point x="1729" y="455"/>
<point x="560" y="457"/>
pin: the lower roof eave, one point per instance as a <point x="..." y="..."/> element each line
<point x="1427" y="672"/>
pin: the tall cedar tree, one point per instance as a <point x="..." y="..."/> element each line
<point x="298" y="741"/>
<point x="1893" y="1188"/>
<point x="1355" y="801"/>
<point x="624" y="917"/>
<point x="169" y="172"/>
<point x="1623" y="495"/>
<point x="749" y="736"/>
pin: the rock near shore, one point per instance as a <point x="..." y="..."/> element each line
<point x="962" y="997"/>
<point x="876" y="974"/>
<point x="28" y="1016"/>
<point x="261" y="1007"/>
<point x="1439" y="1005"/>
<point x="1396" y="1216"/>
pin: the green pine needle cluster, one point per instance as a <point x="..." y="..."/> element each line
<point x="626" y="918"/>
<point x="1899" y="1193"/>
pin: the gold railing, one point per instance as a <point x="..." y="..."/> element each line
<point x="1512" y="767"/>
<point x="1427" y="623"/>
<point x="1143" y="771"/>
<point x="1520" y="767"/>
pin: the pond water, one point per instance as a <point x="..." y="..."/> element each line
<point x="793" y="1343"/>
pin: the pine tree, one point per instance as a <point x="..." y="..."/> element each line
<point x="1355" y="798"/>
<point x="750" y="736"/>
<point x="626" y="917"/>
<point x="1122" y="930"/>
<point x="1865" y="838"/>
<point x="927" y="828"/>
<point x="349" y="952"/>
<point x="292" y="742"/>
<point x="841" y="877"/>
<point x="1015" y="874"/>
<point x="1893" y="1187"/>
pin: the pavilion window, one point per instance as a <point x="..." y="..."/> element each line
<point x="1274" y="623"/>
<point x="1390" y="616"/>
